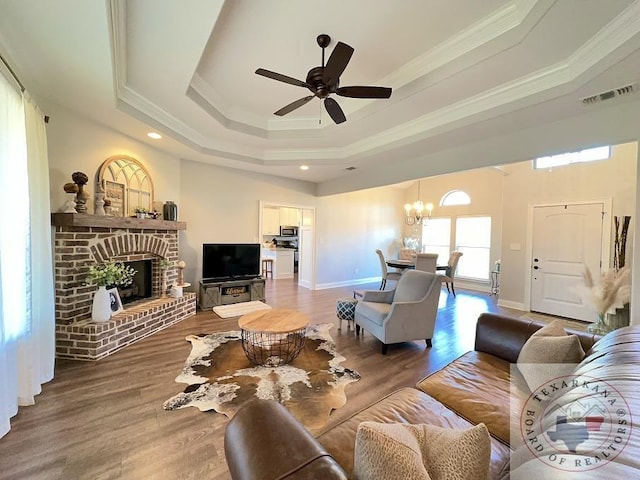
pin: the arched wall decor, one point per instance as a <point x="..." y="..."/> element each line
<point x="127" y="184"/>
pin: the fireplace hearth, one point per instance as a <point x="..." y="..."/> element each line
<point x="82" y="240"/>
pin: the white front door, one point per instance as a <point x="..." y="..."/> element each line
<point x="566" y="238"/>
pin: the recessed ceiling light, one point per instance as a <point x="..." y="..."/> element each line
<point x="154" y="135"/>
<point x="304" y="167"/>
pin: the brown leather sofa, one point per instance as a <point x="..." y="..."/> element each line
<point x="263" y="441"/>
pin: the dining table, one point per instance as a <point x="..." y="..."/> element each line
<point x="408" y="264"/>
<point x="401" y="264"/>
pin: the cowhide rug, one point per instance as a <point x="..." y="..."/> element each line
<point x="221" y="378"/>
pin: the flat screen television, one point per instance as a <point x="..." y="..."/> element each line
<point x="226" y="261"/>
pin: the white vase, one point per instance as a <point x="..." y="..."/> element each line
<point x="101" y="309"/>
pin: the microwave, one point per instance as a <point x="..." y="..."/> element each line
<point x="288" y="231"/>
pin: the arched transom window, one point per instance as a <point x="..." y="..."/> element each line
<point x="455" y="197"/>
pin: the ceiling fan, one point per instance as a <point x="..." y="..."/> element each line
<point x="325" y="80"/>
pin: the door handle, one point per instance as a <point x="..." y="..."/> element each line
<point x="535" y="267"/>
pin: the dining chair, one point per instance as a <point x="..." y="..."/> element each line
<point x="386" y="274"/>
<point x="427" y="262"/>
<point x="450" y="272"/>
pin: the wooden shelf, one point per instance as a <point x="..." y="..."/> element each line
<point x="87" y="220"/>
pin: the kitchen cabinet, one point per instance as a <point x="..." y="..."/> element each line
<point x="271" y="221"/>
<point x="290" y="216"/>
<point x="282" y="261"/>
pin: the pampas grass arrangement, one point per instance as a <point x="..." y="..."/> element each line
<point x="612" y="291"/>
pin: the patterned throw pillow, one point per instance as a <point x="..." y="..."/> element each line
<point x="543" y="354"/>
<point x="421" y="452"/>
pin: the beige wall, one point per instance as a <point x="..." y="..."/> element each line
<point x="507" y="193"/>
<point x="222" y="205"/>
<point x="79" y="144"/>
<point x="484" y="186"/>
<point x="613" y="179"/>
<point x="350" y="227"/>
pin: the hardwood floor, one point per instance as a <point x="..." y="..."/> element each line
<point x="104" y="420"/>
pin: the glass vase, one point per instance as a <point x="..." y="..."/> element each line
<point x="599" y="327"/>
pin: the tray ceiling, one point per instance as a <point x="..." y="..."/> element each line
<point x="462" y="72"/>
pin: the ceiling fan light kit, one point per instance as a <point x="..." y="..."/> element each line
<point x="324" y="80"/>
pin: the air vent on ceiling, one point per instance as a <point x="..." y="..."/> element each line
<point x="616" y="92"/>
<point x="350" y="168"/>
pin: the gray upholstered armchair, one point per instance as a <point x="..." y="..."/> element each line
<point x="406" y="313"/>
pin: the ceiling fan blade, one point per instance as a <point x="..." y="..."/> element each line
<point x="282" y="78"/>
<point x="364" y="92"/>
<point x="334" y="110"/>
<point x="293" y="105"/>
<point x="337" y="63"/>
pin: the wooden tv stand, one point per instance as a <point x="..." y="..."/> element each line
<point x="213" y="293"/>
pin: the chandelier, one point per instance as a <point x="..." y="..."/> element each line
<point x="415" y="213"/>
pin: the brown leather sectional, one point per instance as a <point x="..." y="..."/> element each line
<point x="263" y="441"/>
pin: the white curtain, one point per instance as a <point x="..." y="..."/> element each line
<point x="27" y="315"/>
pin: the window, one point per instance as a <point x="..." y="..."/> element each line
<point x="455" y="197"/>
<point x="436" y="238"/>
<point x="14" y="228"/>
<point x="473" y="239"/>
<point x="588" y="155"/>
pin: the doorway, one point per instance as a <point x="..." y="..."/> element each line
<point x="566" y="239"/>
<point x="273" y="215"/>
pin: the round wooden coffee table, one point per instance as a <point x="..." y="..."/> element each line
<point x="273" y="337"/>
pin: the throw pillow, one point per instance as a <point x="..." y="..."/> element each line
<point x="544" y="353"/>
<point x="421" y="452"/>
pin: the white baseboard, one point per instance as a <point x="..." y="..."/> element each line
<point x="346" y="283"/>
<point x="510" y="304"/>
<point x="476" y="287"/>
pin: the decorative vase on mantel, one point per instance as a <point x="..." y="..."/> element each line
<point x="101" y="308"/>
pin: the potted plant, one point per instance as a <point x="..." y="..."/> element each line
<point x="141" y="212"/>
<point x="108" y="274"/>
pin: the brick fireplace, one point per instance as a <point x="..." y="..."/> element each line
<point x="81" y="240"/>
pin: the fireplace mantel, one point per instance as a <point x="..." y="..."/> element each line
<point x="87" y="220"/>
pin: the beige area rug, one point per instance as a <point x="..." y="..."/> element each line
<point x="567" y="322"/>
<point x="221" y="378"/>
<point x="238" y="309"/>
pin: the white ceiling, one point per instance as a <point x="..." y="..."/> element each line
<point x="462" y="72"/>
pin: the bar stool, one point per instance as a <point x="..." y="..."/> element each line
<point x="267" y="267"/>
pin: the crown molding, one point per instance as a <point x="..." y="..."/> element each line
<point x="616" y="38"/>
<point x="508" y="18"/>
